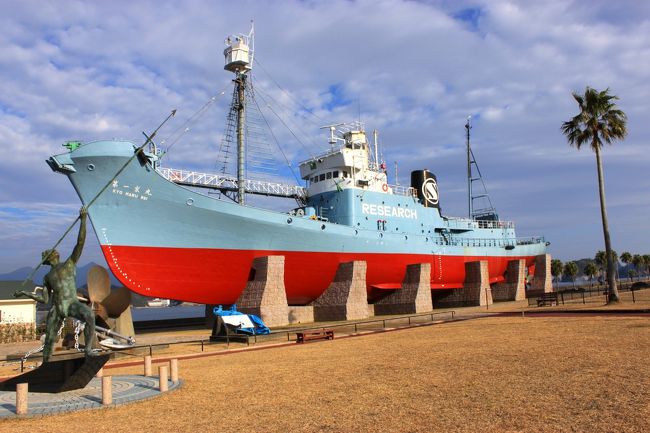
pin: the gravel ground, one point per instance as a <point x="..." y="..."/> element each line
<point x="503" y="374"/>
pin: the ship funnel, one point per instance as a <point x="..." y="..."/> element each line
<point x="425" y="183"/>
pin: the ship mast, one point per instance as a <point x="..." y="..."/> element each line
<point x="239" y="60"/>
<point x="470" y="212"/>
<point x="487" y="212"/>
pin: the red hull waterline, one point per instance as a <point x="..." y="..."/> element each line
<point x="218" y="276"/>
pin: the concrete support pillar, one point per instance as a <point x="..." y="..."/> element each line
<point x="346" y="298"/>
<point x="163" y="378"/>
<point x="413" y="297"/>
<point x="107" y="390"/>
<point x="542" y="280"/>
<point x="22" y="405"/>
<point x="147" y="366"/>
<point x="514" y="287"/>
<point x="265" y="295"/>
<point x="173" y="368"/>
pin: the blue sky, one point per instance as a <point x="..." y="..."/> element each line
<point x="74" y="70"/>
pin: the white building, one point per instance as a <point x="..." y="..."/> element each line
<point x="15" y="310"/>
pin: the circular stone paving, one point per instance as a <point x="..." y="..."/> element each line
<point x="125" y="389"/>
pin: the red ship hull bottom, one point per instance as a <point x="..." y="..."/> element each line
<point x="218" y="276"/>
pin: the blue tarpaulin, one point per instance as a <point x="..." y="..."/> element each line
<point x="258" y="325"/>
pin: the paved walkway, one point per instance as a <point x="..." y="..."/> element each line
<point x="126" y="389"/>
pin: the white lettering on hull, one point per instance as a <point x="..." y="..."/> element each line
<point x="388" y="211"/>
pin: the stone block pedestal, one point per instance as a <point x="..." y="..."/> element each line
<point x="476" y="288"/>
<point x="514" y="287"/>
<point x="346" y="297"/>
<point x="413" y="297"/>
<point x="542" y="280"/>
<point x="265" y="295"/>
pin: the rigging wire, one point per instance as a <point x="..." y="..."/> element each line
<point x="284" y="122"/>
<point x="308" y="110"/>
<point x="274" y="137"/>
<point x="176" y="135"/>
<point x="305" y="148"/>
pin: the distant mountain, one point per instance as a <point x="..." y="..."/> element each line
<point x="82" y="272"/>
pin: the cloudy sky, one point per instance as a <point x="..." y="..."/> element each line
<point x="414" y="70"/>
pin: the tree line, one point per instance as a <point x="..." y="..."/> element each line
<point x="636" y="265"/>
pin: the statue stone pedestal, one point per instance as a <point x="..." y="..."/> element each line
<point x="62" y="373"/>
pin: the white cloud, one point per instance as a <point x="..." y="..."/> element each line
<point x="84" y="70"/>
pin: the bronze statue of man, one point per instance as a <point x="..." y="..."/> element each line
<point x="60" y="283"/>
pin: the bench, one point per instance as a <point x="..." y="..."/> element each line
<point x="315" y="334"/>
<point x="547" y="299"/>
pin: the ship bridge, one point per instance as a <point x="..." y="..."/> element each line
<point x="351" y="163"/>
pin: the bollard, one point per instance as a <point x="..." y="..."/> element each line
<point x="21" y="398"/>
<point x="173" y="368"/>
<point x="100" y="373"/>
<point x="147" y="365"/>
<point x="107" y="389"/>
<point x="162" y="378"/>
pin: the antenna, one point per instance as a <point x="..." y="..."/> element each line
<point x="374" y="133"/>
<point x="468" y="126"/>
<point x="396" y="178"/>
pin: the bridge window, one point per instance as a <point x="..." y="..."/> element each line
<point x="336" y="174"/>
<point x="345" y="173"/>
<point x="322" y="177"/>
<point x="329" y="175"/>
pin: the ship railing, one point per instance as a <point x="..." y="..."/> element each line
<point x="486" y="242"/>
<point x="225" y="182"/>
<point x="404" y="190"/>
<point x="482" y="224"/>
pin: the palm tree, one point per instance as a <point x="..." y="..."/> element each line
<point x="599" y="121"/>
<point x="590" y="271"/>
<point x="646" y="263"/>
<point x="627" y="259"/>
<point x="571" y="270"/>
<point x="556" y="268"/>
<point x="638" y="262"/>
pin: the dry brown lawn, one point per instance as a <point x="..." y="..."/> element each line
<point x="551" y="374"/>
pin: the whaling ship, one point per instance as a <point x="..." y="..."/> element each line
<point x="163" y="237"/>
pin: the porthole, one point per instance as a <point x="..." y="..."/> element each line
<point x="289" y="220"/>
<point x="322" y="227"/>
<point x="190" y="201"/>
<point x="91" y="167"/>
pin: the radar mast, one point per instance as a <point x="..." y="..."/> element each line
<point x="239" y="60"/>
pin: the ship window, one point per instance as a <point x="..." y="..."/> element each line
<point x="329" y="174"/>
<point x="336" y="174"/>
<point x="322" y="177"/>
<point x="314" y="179"/>
<point x="345" y="173"/>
